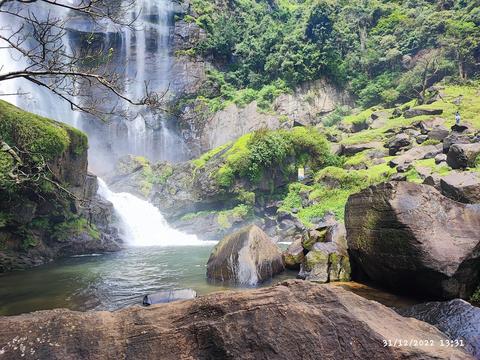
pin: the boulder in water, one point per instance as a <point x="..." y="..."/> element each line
<point x="167" y="296"/>
<point x="456" y="318"/>
<point x="293" y="256"/>
<point x="247" y="256"/>
<point x="411" y="238"/>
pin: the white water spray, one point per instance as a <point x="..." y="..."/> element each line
<point x="143" y="224"/>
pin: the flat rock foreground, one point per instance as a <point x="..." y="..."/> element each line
<point x="292" y="320"/>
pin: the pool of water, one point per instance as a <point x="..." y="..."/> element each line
<point x="109" y="281"/>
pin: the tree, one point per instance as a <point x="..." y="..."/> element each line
<point x="429" y="67"/>
<point x="33" y="32"/>
<point x="462" y="39"/>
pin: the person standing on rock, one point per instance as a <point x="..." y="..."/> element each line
<point x="457" y="118"/>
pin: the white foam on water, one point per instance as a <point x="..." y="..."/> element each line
<point x="143" y="224"/>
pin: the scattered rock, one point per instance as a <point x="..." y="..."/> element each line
<point x="423" y="172"/>
<point x="379" y="119"/>
<point x="420" y="139"/>
<point x="440" y="158"/>
<point x="416" y="153"/>
<point x="418" y="112"/>
<point x="439" y="133"/>
<point x="398" y="142"/>
<point x="294" y="255"/>
<point x="326" y="256"/>
<point x="247" y="256"/>
<point x="353" y="149"/>
<point x="456" y="318"/>
<point x="310" y="237"/>
<point x="461" y="186"/>
<point x="398" y="177"/>
<point x="433" y="180"/>
<point x="411" y="238"/>
<point x="290" y="321"/>
<point x="396" y="113"/>
<point x="326" y="262"/>
<point x="454" y="138"/>
<point x="461" y="156"/>
<point x="404" y="168"/>
<point x="460" y="128"/>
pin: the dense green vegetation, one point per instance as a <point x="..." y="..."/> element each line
<point x="384" y="51"/>
<point x="330" y="191"/>
<point x="266" y="152"/>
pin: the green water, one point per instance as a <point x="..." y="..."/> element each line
<point x="109" y="281"/>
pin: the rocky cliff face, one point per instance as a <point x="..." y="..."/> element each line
<point x="293" y="320"/>
<point x="204" y="130"/>
<point x="48" y="202"/>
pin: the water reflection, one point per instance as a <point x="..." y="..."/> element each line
<point x="107" y="282"/>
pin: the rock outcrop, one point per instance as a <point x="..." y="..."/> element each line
<point x="293" y="320"/>
<point x="411" y="238"/>
<point x="205" y="130"/>
<point x="53" y="210"/>
<point x="459" y="320"/>
<point x="247" y="257"/>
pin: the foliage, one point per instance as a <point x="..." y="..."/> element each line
<point x="262" y="150"/>
<point x="378" y="48"/>
<point x="475" y="298"/>
<point x="74" y="226"/>
<point x="333" y="186"/>
<point x="336" y="116"/>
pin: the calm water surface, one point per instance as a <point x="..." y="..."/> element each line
<point x="109" y="281"/>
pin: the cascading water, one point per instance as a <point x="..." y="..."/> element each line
<point x="142" y="223"/>
<point x="144" y="55"/>
<point x="141" y="54"/>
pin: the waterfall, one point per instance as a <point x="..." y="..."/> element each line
<point x="142" y="54"/>
<point x="142" y="223"/>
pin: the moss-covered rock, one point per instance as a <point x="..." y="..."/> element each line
<point x="43" y="182"/>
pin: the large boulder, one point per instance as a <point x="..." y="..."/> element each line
<point x="247" y="256"/>
<point x="457" y="319"/>
<point x="461" y="156"/>
<point x="438" y="133"/>
<point x="293" y="320"/>
<point x="411" y="238"/>
<point x="461" y="186"/>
